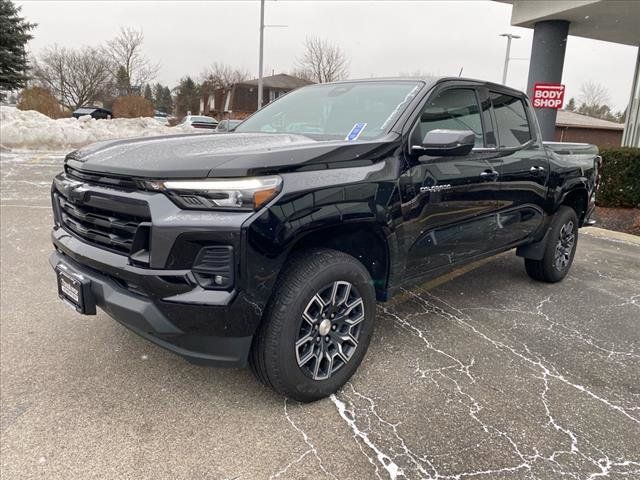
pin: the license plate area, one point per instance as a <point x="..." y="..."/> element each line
<point x="75" y="290"/>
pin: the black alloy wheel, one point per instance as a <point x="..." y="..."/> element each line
<point x="564" y="246"/>
<point x="317" y="326"/>
<point x="329" y="330"/>
<point x="559" y="248"/>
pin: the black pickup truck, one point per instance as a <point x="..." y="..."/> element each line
<point x="270" y="245"/>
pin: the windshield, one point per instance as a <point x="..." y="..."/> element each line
<point x="349" y="111"/>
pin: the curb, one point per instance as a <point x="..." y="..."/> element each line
<point x="611" y="235"/>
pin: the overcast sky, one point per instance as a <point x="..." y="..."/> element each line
<point x="381" y="38"/>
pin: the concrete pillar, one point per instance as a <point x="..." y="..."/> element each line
<point x="545" y="66"/>
<point x="631" y="135"/>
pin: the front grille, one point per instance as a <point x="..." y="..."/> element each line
<point x="111" y="230"/>
<point x="121" y="183"/>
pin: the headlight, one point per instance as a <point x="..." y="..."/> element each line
<point x="232" y="193"/>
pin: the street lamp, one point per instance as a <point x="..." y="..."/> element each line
<point x="506" y="56"/>
<point x="262" y="25"/>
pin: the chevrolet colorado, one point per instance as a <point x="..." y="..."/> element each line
<point x="270" y="245"/>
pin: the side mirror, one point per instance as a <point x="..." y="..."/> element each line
<point x="445" y="143"/>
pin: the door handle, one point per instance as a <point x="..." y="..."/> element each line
<point x="536" y="170"/>
<point x="489" y="175"/>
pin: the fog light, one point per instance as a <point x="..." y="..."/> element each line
<point x="214" y="267"/>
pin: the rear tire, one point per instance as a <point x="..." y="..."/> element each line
<point x="317" y="326"/>
<point x="560" y="248"/>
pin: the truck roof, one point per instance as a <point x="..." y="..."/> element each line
<point x="432" y="80"/>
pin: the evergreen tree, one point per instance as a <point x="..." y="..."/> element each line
<point x="598" y="111"/>
<point x="162" y="98"/>
<point x="123" y="85"/>
<point x="571" y="105"/>
<point x="187" y="97"/>
<point x="167" y="100"/>
<point x="14" y="35"/>
<point x="148" y="94"/>
<point x="157" y="97"/>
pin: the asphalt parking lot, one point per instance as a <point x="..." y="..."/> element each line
<point x="481" y="374"/>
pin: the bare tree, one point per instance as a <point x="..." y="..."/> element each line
<point x="593" y="93"/>
<point x="221" y="75"/>
<point x="75" y="76"/>
<point x="416" y="74"/>
<point x="125" y="51"/>
<point x="303" y="74"/>
<point x="322" y="61"/>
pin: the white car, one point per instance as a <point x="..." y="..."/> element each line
<point x="200" y="121"/>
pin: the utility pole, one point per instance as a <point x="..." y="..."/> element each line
<point x="506" y="56"/>
<point x="261" y="54"/>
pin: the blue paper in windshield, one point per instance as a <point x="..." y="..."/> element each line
<point x="355" y="132"/>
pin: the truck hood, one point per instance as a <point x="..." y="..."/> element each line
<point x="219" y="155"/>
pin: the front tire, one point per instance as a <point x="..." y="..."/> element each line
<point x="560" y="248"/>
<point x="317" y="326"/>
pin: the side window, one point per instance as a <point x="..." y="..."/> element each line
<point x="513" y="125"/>
<point x="454" y="109"/>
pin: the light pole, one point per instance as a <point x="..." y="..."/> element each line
<point x="506" y="56"/>
<point x="261" y="54"/>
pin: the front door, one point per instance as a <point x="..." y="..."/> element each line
<point x="448" y="203"/>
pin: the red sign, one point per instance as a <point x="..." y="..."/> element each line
<point x="548" y="95"/>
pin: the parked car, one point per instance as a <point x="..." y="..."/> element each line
<point x="227" y="125"/>
<point x="270" y="247"/>
<point x="98" y="113"/>
<point x="200" y="121"/>
<point x="161" y="117"/>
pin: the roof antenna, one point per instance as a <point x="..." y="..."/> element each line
<point x="461" y="68"/>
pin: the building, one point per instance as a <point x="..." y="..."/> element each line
<point x="241" y="99"/>
<point x="553" y="20"/>
<point x="574" y="127"/>
<point x="94" y="112"/>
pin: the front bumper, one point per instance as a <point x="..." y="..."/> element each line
<point x="141" y="315"/>
<point x="154" y="284"/>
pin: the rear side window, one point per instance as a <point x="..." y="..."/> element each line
<point x="511" y="118"/>
<point x="454" y="109"/>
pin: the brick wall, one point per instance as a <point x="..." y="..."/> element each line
<point x="597" y="136"/>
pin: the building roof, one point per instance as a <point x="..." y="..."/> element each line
<point x="282" y="80"/>
<point x="566" y="118"/>
<point x="612" y="21"/>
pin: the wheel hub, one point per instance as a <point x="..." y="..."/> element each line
<point x="325" y="327"/>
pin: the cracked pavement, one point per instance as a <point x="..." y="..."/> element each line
<point x="480" y="374"/>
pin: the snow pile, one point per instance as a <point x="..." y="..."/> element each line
<point x="29" y="129"/>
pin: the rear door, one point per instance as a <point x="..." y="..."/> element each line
<point x="524" y="169"/>
<point x="448" y="203"/>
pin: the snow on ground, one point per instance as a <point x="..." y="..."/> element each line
<point x="28" y="129"/>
